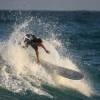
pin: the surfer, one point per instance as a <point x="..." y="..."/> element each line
<point x="34" y="42"/>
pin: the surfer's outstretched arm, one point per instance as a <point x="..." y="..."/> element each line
<point x="44" y="48"/>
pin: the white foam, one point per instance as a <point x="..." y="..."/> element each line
<point x="26" y="74"/>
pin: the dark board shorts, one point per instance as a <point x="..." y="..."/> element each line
<point x="34" y="46"/>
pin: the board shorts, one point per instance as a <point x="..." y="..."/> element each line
<point x="31" y="43"/>
<point x="34" y="45"/>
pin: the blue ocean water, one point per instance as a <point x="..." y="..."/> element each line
<point x="79" y="33"/>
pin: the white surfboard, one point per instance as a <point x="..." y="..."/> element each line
<point x="65" y="72"/>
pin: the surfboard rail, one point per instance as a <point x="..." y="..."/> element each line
<point x="64" y="72"/>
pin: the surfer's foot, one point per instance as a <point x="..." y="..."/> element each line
<point x="38" y="62"/>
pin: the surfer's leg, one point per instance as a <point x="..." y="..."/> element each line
<point x="37" y="54"/>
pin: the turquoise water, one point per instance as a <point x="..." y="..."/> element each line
<point x="79" y="34"/>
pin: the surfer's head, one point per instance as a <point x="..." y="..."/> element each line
<point x="28" y="35"/>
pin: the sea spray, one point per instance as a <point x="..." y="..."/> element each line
<point x="25" y="74"/>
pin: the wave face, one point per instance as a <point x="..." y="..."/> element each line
<point x="73" y="42"/>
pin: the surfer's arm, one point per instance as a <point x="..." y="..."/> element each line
<point x="41" y="45"/>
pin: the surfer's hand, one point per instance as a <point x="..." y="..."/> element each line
<point x="23" y="47"/>
<point x="47" y="51"/>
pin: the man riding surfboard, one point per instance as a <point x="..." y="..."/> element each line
<point x="34" y="42"/>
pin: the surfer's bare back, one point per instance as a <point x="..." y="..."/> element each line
<point x="34" y="42"/>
